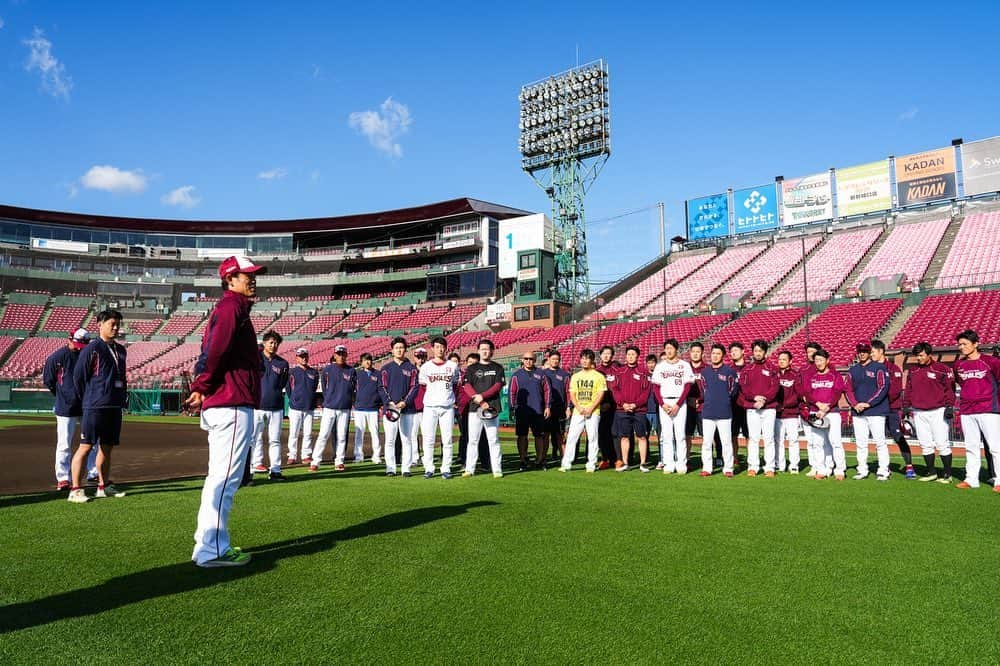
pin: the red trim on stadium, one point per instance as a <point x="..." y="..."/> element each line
<point x="428" y="212"/>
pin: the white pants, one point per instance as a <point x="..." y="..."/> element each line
<point x="476" y="426"/>
<point x="760" y="425"/>
<point x="404" y="428"/>
<point x="366" y="421"/>
<point x="332" y="421"/>
<point x="435" y="417"/>
<point x="66" y="427"/>
<point x="725" y="430"/>
<point x="975" y="427"/>
<point x="829" y="438"/>
<point x="577" y="424"/>
<point x="787" y="430"/>
<point x="673" y="440"/>
<point x="873" y="427"/>
<point x="932" y="431"/>
<point x="416" y="428"/>
<point x="273" y="420"/>
<point x="300" y="421"/>
<point x="230" y="432"/>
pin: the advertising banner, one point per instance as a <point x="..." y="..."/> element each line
<point x="981" y="166"/>
<point x="863" y="189"/>
<point x="708" y="217"/>
<point x="756" y="208"/>
<point x="807" y="199"/>
<point x="928" y="176"/>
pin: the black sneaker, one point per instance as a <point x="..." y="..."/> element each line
<point x="406" y="475"/>
<point x="390" y="474"/>
<point x="276" y="476"/>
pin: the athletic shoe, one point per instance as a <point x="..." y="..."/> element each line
<point x="63" y="485"/>
<point x="340" y="467"/>
<point x="820" y="477"/>
<point x="769" y="475"/>
<point x="932" y="476"/>
<point x="497" y="475"/>
<point x="428" y="475"/>
<point x="390" y="474"/>
<point x="231" y="558"/>
<point x="704" y="473"/>
<point x="307" y="460"/>
<point x="445" y="475"/>
<point x="945" y="480"/>
<point x="751" y="472"/>
<point x="276" y="476"/>
<point x="728" y="475"/>
<point x="466" y="475"/>
<point x="313" y="468"/>
<point x="996" y="489"/>
<point x="109" y="491"/>
<point x="793" y="470"/>
<point x="376" y="461"/>
<point x="910" y="474"/>
<point x="680" y="471"/>
<point x="621" y="467"/>
<point x="406" y="475"/>
<point x="883" y="477"/>
<point x="659" y="466"/>
<point x="643" y="469"/>
<point x="78" y="496"/>
<point x="667" y="470"/>
<point x="619" y="464"/>
<point x="260" y="469"/>
<point x="292" y="460"/>
<point x="811" y="473"/>
<point x="964" y="485"/>
<point x="591" y="471"/>
<point x="604" y="465"/>
<point x="564" y="469"/>
<point x="860" y="476"/>
<point x="840" y="477"/>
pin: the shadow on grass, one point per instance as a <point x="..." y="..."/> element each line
<point x="183" y="577"/>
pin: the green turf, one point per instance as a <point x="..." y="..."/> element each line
<point x="535" y="567"/>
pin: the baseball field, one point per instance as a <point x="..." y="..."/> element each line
<point x="535" y="567"/>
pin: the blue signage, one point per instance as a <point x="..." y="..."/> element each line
<point x="708" y="217"/>
<point x="755" y="208"/>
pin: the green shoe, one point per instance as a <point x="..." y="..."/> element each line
<point x="233" y="557"/>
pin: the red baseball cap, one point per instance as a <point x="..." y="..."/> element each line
<point x="80" y="338"/>
<point x="238" y="264"/>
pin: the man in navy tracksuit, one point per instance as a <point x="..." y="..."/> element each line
<point x="99" y="378"/>
<point x="398" y="389"/>
<point x="868" y="394"/>
<point x="303" y="380"/>
<point x="339" y="383"/>
<point x="530" y="399"/>
<point x="273" y="380"/>
<point x="366" y="406"/>
<point x="560" y="411"/>
<point x="57" y="375"/>
<point x="719" y="386"/>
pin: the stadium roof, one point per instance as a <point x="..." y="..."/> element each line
<point x="428" y="212"/>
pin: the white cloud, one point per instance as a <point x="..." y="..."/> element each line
<point x="55" y="81"/>
<point x="273" y="174"/>
<point x="113" y="179"/>
<point x="909" y="114"/>
<point x="182" y="196"/>
<point x="383" y="127"/>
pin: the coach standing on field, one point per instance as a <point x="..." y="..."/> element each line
<point x="227" y="389"/>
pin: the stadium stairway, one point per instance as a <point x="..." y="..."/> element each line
<point x="781" y="283"/>
<point x="943" y="249"/>
<point x="897" y="321"/>
<point x="852" y="277"/>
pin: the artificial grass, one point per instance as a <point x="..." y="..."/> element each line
<point x="534" y="567"/>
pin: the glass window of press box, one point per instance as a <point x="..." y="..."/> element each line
<point x="465" y="284"/>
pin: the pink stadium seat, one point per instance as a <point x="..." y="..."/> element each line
<point x="615" y="334"/>
<point x="769" y="268"/>
<point x="908" y="251"/>
<point x="974" y="258"/>
<point x="181" y="325"/>
<point x="939" y="318"/>
<point x="388" y="320"/>
<point x="665" y="278"/>
<point x="683" y="329"/>
<point x="840" y="327"/>
<point x="66" y="319"/>
<point x="829" y="267"/>
<point x="144" y="327"/>
<point x="28" y="359"/>
<point x="759" y="325"/>
<point x="22" y="317"/>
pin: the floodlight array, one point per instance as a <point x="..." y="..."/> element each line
<point x="565" y="116"/>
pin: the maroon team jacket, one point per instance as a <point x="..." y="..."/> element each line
<point x="227" y="372"/>
<point x="929" y="387"/>
<point x="758" y="379"/>
<point x="789" y="381"/>
<point x="631" y="385"/>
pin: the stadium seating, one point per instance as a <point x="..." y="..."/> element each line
<point x="143" y="327"/>
<point x="769" y="268"/>
<point x="759" y="325"/>
<point x="654" y="285"/>
<point x="178" y="359"/>
<point x="21" y="317"/>
<point x="28" y="359"/>
<point x="64" y="319"/>
<point x="908" y="251"/>
<point x="181" y="325"/>
<point x="289" y="323"/>
<point x="320" y="324"/>
<point x="421" y="318"/>
<point x="683" y="329"/>
<point x="356" y="321"/>
<point x="458" y="316"/>
<point x="940" y="317"/>
<point x="6" y="344"/>
<point x="616" y="334"/>
<point x="388" y="320"/>
<point x="693" y="289"/>
<point x="840" y="327"/>
<point x="140" y="353"/>
<point x="829" y="267"/>
<point x="974" y="258"/>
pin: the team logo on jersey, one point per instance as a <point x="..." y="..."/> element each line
<point x="870" y="374"/>
<point x="931" y="375"/>
<point x="275" y="369"/>
<point x="787" y="383"/>
<point x="766" y="373"/>
<point x="822" y="384"/>
<point x="972" y="374"/>
<point x="637" y="377"/>
<point x="346" y="376"/>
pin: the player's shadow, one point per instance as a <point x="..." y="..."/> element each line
<point x="182" y="577"/>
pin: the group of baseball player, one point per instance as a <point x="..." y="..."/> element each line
<point x="240" y="388"/>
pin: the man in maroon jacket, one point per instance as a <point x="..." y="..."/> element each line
<point x="786" y="426"/>
<point x="631" y="390"/>
<point x="930" y="400"/>
<point x="759" y="396"/>
<point x="227" y="389"/>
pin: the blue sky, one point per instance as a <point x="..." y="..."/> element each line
<point x="194" y="111"/>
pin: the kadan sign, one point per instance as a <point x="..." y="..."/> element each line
<point x="708" y="217"/>
<point x="926" y="176"/>
<point x="981" y="166"/>
<point x="807" y="199"/>
<point x="863" y="189"/>
<point x="755" y="208"/>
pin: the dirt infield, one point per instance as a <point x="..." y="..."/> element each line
<point x="149" y="451"/>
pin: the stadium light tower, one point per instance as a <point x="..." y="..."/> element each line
<point x="565" y="140"/>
